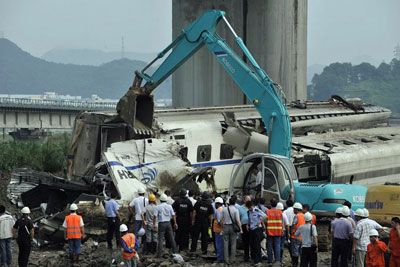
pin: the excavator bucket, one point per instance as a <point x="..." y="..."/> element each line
<point x="136" y="108"/>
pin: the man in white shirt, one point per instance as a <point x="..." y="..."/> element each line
<point x="289" y="212"/>
<point x="165" y="213"/>
<point x="230" y="216"/>
<point x="138" y="208"/>
<point x="285" y="227"/>
<point x="361" y="235"/>
<point x="6" y="232"/>
<point x="191" y="197"/>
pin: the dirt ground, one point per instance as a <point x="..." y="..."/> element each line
<point x="99" y="255"/>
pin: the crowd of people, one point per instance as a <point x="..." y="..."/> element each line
<point x="263" y="228"/>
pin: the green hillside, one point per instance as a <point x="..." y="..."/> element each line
<point x="21" y="73"/>
<point x="379" y="86"/>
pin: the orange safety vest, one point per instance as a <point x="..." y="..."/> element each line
<point x="300" y="222"/>
<point x="73" y="222"/>
<point x="314" y="219"/>
<point x="130" y="241"/>
<point x="274" y="222"/>
<point x="217" y="228"/>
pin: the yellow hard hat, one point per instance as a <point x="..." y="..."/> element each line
<point x="152" y="197"/>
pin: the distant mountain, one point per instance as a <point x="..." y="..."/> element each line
<point x="312" y="70"/>
<point x="91" y="56"/>
<point x="22" y="73"/>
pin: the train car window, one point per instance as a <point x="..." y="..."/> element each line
<point x="226" y="151"/>
<point x="179" y="137"/>
<point x="203" y="153"/>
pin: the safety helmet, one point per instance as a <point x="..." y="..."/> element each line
<point x="123" y="228"/>
<point x="141" y="190"/>
<point x="152" y="197"/>
<point x="219" y="200"/>
<point x="25" y="210"/>
<point x="339" y="210"/>
<point x="73" y="207"/>
<point x="298" y="206"/>
<point x="307" y="217"/>
<point x="141" y="232"/>
<point x="366" y="213"/>
<point x="345" y="211"/>
<point x="359" y="212"/>
<point x="163" y="198"/>
<point x="373" y="232"/>
<point x="279" y="206"/>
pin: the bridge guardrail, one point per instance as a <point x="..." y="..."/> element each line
<point x="56" y="104"/>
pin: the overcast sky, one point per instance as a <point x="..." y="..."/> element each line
<point x="338" y="30"/>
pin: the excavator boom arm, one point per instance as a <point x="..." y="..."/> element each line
<point x="252" y="80"/>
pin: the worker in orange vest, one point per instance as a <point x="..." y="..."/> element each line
<point x="295" y="241"/>
<point x="74" y="232"/>
<point x="274" y="232"/>
<point x="129" y="246"/>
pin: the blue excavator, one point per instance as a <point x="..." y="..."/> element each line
<point x="268" y="174"/>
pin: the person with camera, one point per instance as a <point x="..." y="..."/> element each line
<point x="231" y="226"/>
<point x="309" y="245"/>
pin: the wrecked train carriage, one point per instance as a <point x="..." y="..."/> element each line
<point x="105" y="149"/>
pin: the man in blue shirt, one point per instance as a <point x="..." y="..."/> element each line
<point x="111" y="207"/>
<point x="256" y="218"/>
<point x="244" y="219"/>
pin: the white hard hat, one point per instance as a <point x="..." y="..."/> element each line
<point x="298" y="206"/>
<point x="141" y="190"/>
<point x="307" y="217"/>
<point x="141" y="232"/>
<point x="345" y="211"/>
<point x="73" y="207"/>
<point x="339" y="210"/>
<point x="279" y="206"/>
<point x="359" y="212"/>
<point x="163" y="198"/>
<point x="25" y="210"/>
<point x="366" y="213"/>
<point x="219" y="200"/>
<point x="123" y="228"/>
<point x="373" y="232"/>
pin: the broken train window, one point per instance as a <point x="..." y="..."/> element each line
<point x="203" y="153"/>
<point x="226" y="151"/>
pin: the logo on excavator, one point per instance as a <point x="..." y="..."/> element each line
<point x="223" y="55"/>
<point x="359" y="199"/>
<point x="228" y="65"/>
<point x="374" y="205"/>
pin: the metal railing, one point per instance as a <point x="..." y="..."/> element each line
<point x="56" y="104"/>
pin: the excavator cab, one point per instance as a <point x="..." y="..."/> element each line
<point x="264" y="175"/>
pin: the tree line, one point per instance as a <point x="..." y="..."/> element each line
<point x="375" y="85"/>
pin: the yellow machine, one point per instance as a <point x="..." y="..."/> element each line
<point x="383" y="202"/>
